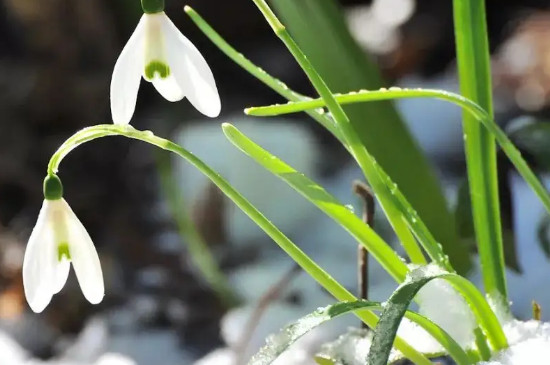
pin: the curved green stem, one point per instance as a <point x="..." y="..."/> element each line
<point x="477" y="112"/>
<point x="305" y="262"/>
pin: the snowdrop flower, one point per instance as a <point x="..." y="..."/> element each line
<point x="57" y="240"/>
<point x="163" y="56"/>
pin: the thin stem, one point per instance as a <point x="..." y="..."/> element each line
<point x="472" y="50"/>
<point x="366" y="195"/>
<point x="351" y="139"/>
<point x="302" y="259"/>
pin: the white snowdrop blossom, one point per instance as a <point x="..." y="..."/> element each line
<point x="160" y="53"/>
<point x="58" y="239"/>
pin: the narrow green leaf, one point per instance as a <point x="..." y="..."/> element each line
<point x="316" y="194"/>
<point x="397" y="305"/>
<point x="281" y="341"/>
<point x="465" y="225"/>
<point x="321" y="32"/>
<point x="474" y="71"/>
<point x="482" y="345"/>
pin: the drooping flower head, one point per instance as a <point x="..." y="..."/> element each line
<point x="58" y="239"/>
<point x="162" y="55"/>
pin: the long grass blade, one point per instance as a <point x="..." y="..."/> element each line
<point x="474" y="71"/>
<point x="316" y="194"/>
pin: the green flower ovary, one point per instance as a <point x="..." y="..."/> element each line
<point x="157" y="67"/>
<point x="63" y="250"/>
<point x="152" y="6"/>
<point x="53" y="188"/>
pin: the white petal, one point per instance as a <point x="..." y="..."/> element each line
<point x="191" y="71"/>
<point x="61" y="273"/>
<point x="85" y="259"/>
<point x="127" y="76"/>
<point x="168" y="88"/>
<point x="38" y="263"/>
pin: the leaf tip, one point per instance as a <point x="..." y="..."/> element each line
<point x="227" y="127"/>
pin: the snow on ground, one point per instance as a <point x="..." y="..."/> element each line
<point x="10" y="351"/>
<point x="457" y="318"/>
<point x="529" y="344"/>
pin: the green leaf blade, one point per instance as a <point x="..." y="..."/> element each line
<point x="397" y="305"/>
<point x="323" y="200"/>
<point x="474" y="70"/>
